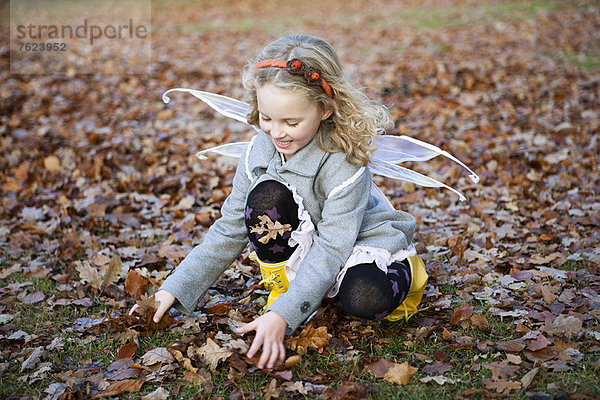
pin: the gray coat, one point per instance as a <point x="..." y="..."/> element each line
<point x="337" y="196"/>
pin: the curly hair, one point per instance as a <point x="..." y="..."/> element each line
<point x="355" y="120"/>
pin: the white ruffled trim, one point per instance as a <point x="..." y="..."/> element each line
<point x="246" y="159"/>
<point x="347" y="182"/>
<point x="366" y="255"/>
<point x="302" y="236"/>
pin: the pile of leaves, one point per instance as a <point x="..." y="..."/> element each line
<point x="101" y="197"/>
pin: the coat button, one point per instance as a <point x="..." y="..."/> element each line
<point x="305" y="306"/>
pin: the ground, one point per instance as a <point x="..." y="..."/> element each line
<point x="101" y="196"/>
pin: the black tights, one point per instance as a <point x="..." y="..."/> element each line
<point x="366" y="291"/>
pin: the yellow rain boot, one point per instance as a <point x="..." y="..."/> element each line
<point x="409" y="306"/>
<point x="273" y="277"/>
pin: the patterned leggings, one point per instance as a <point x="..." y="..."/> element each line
<point x="366" y="291"/>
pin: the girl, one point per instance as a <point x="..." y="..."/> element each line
<point x="302" y="197"/>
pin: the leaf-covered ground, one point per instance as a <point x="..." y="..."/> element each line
<point x="101" y="196"/>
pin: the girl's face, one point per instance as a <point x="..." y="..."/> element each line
<point x="290" y="119"/>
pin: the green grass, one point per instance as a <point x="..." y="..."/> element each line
<point x="582" y="61"/>
<point x="479" y="14"/>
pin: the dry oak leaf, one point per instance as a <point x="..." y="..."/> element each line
<point x="113" y="272"/>
<point x="213" y="353"/>
<point x="158" y="355"/>
<point x="147" y="308"/>
<point x="116" y="388"/>
<point x="400" y="373"/>
<point x="310" y="337"/>
<point x="272" y="229"/>
<point x="479" y="321"/>
<point x="127" y="351"/>
<point x="502" y="386"/>
<point x="135" y="285"/>
<point x="89" y="274"/>
<point x="159" y="394"/>
<point x="461" y="313"/>
<point x="380" y="367"/>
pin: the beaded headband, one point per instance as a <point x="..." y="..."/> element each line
<point x="297" y="67"/>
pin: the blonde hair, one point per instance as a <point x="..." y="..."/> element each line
<point x="355" y="119"/>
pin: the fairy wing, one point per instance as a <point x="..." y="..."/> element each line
<point x="397" y="149"/>
<point x="229" y="149"/>
<point x="390" y="150"/>
<point x="224" y="105"/>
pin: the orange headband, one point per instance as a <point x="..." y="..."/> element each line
<point x="297" y="67"/>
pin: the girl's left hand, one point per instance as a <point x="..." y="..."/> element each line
<point x="270" y="331"/>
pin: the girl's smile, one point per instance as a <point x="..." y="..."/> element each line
<point x="290" y="119"/>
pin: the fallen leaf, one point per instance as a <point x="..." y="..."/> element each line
<point x="380" y="367"/>
<point x="34" y="358"/>
<point x="538" y="343"/>
<point x="510" y="345"/>
<point x="159" y="394"/>
<point x="293" y="360"/>
<point x="528" y="378"/>
<point x="310" y="337"/>
<point x="213" y="354"/>
<point x="158" y="355"/>
<point x="116" y="388"/>
<point x="400" y="373"/>
<point x="51" y="163"/>
<point x="113" y="272"/>
<point x="34" y="297"/>
<point x="565" y="326"/>
<point x="135" y="285"/>
<point x="89" y="274"/>
<point x="479" y="321"/>
<point x="502" y="386"/>
<point x="127" y="351"/>
<point x="439" y="379"/>
<point x="461" y="313"/>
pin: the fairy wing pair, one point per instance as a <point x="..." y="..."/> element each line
<point x="389" y="150"/>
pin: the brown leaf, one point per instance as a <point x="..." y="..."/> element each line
<point x="528" y="378"/>
<point x="116" y="388"/>
<point x="213" y="354"/>
<point x="135" y="285"/>
<point x="547" y="295"/>
<point x="310" y="337"/>
<point x="272" y="229"/>
<point x="33" y="298"/>
<point x="158" y="355"/>
<point x="502" y="386"/>
<point x="348" y="390"/>
<point x="479" y="321"/>
<point x="159" y="394"/>
<point x="501" y="370"/>
<point x="52" y="163"/>
<point x="127" y="351"/>
<point x="461" y="313"/>
<point x="437" y="368"/>
<point x="538" y="343"/>
<point x="113" y="272"/>
<point x="147" y="308"/>
<point x="380" y="367"/>
<point x="400" y="373"/>
<point x="510" y="345"/>
<point x="293" y="360"/>
<point x="89" y="274"/>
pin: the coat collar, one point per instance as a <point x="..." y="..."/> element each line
<point x="305" y="162"/>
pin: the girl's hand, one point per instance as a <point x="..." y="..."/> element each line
<point x="270" y="331"/>
<point x="165" y="301"/>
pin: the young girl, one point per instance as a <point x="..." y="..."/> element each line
<point x="302" y="197"/>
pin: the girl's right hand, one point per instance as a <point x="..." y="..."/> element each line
<point x="165" y="301"/>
